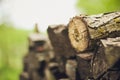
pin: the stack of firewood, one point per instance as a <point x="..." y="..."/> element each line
<point x="40" y="63"/>
<point x="89" y="45"/>
<point x="87" y="48"/>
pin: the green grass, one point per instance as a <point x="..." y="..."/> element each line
<point x="13" y="46"/>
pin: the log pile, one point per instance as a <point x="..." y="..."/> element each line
<point x="87" y="48"/>
<point x="85" y="34"/>
<point x="40" y="63"/>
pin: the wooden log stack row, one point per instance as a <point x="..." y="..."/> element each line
<point x="87" y="48"/>
<point x="83" y="40"/>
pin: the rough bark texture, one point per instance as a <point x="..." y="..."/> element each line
<point x="84" y="28"/>
<point x="84" y="67"/>
<point x="99" y="63"/>
<point x="107" y="60"/>
<point x="104" y="63"/>
<point x="112" y="50"/>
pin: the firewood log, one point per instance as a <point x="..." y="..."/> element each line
<point x="84" y="65"/>
<point x="58" y="35"/>
<point x="103" y="63"/>
<point x="106" y="62"/>
<point x="82" y="29"/>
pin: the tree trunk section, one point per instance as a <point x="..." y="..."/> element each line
<point x="82" y="29"/>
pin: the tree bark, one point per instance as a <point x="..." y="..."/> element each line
<point x="82" y="29"/>
<point x="106" y="63"/>
<point x="84" y="66"/>
<point x="102" y="64"/>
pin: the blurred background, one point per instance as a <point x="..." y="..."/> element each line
<point x="17" y="19"/>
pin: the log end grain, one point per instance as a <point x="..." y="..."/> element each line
<point x="78" y="34"/>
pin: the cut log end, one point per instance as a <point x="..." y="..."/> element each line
<point x="78" y="34"/>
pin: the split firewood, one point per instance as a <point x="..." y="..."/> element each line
<point x="112" y="50"/>
<point x="107" y="59"/>
<point x="84" y="66"/>
<point x="58" y="35"/>
<point x="101" y="64"/>
<point x="82" y="29"/>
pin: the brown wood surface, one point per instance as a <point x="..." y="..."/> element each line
<point x="58" y="35"/>
<point x="107" y="59"/>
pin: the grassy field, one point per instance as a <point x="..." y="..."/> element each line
<point x="13" y="46"/>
